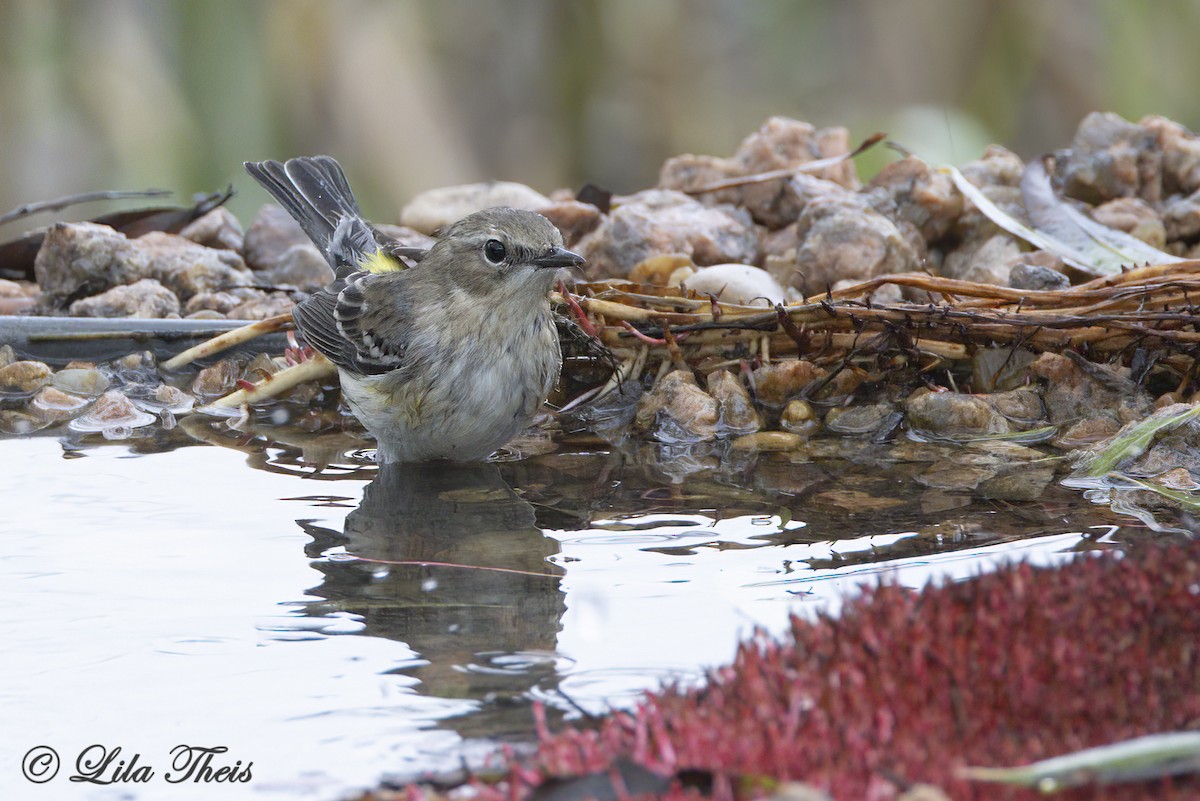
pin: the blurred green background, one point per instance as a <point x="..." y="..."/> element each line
<point x="128" y="94"/>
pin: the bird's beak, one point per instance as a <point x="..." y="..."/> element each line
<point x="558" y="257"/>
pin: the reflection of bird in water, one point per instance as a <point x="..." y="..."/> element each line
<point x="455" y="617"/>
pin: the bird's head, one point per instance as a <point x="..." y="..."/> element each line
<point x="501" y="249"/>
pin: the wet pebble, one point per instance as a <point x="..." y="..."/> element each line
<point x="7" y="355"/>
<point x="1074" y="392"/>
<point x="135" y="368"/>
<point x="87" y="381"/>
<point x="736" y="412"/>
<point x="53" y="405"/>
<point x="953" y="475"/>
<point x="769" y="441"/>
<point x="113" y="415"/>
<point x="677" y="410"/>
<point x="776" y="382"/>
<point x="1026" y="484"/>
<point x="161" y="398"/>
<point x="1086" y="433"/>
<point x="18" y="422"/>
<point x="798" y="417"/>
<point x="952" y="414"/>
<point x="858" y="419"/>
<point x="23" y="378"/>
<point x="217" y="380"/>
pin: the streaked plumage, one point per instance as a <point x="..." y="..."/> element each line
<point x="445" y="354"/>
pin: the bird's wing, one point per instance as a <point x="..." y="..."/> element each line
<point x="346" y="320"/>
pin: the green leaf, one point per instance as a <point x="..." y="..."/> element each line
<point x="1129" y="443"/>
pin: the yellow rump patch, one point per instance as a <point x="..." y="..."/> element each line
<point x="380" y="262"/>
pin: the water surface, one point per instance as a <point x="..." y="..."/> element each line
<point x="337" y="627"/>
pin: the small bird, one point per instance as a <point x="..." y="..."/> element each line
<point x="442" y="354"/>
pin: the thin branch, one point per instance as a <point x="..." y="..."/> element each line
<point x="58" y="204"/>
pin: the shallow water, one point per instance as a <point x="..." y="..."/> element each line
<point x="159" y="595"/>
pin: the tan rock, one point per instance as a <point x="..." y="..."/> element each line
<point x="661" y="222"/>
<point x="23" y="378"/>
<point x="841" y="238"/>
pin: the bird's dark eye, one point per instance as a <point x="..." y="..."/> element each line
<point x="494" y="250"/>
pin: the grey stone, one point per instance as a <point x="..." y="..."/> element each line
<point x="1111" y="157"/>
<point x="145" y="298"/>
<point x="272" y="233"/>
<point x="1035" y="277"/>
<point x="300" y="266"/>
<point x="81" y="259"/>
<point x="188" y="269"/>
<point x="217" y="229"/>
<point x="984" y="260"/>
<point x="436" y="208"/>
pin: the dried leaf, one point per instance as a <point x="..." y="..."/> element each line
<point x="1015" y="226"/>
<point x="1108" y="249"/>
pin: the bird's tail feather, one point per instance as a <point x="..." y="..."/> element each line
<point x="314" y="190"/>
